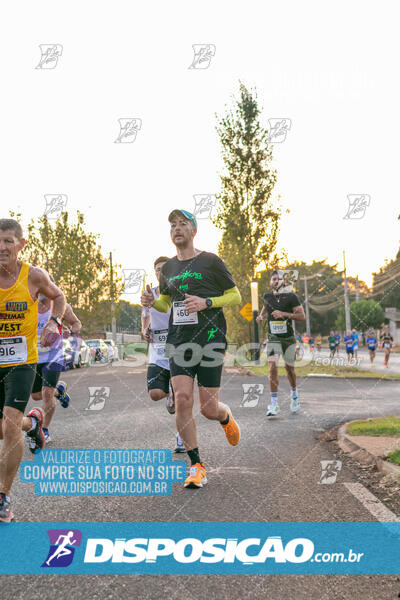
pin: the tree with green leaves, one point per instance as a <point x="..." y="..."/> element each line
<point x="386" y="284"/>
<point x="247" y="214"/>
<point x="364" y="314"/>
<point x="74" y="258"/>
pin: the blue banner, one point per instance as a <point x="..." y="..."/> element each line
<point x="219" y="548"/>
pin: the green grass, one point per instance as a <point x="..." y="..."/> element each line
<point x="133" y="347"/>
<point x="334" y="370"/>
<point x="394" y="457"/>
<point x="385" y="426"/>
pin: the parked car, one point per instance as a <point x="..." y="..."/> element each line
<point x="68" y="355"/>
<point x="113" y="350"/>
<point x="82" y="353"/>
<point x="99" y="350"/>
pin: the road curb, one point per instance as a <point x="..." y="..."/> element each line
<point x="362" y="455"/>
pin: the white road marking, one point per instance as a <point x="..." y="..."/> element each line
<point x="371" y="503"/>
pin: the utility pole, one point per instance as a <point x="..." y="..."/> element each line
<point x="357" y="290"/>
<point x="113" y="321"/>
<point x="254" y="305"/>
<point x="307" y="307"/>
<point x="346" y="296"/>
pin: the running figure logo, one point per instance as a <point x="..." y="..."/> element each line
<point x="133" y="280"/>
<point x="97" y="397"/>
<point x="55" y="205"/>
<point x="278" y="129"/>
<point x="203" y="205"/>
<point x="62" y="547"/>
<point x="128" y="129"/>
<point x="203" y="54"/>
<point x="211" y="333"/>
<point x="251" y="394"/>
<point x="330" y="470"/>
<point x="288" y="277"/>
<point x="357" y="206"/>
<point x="50" y="54"/>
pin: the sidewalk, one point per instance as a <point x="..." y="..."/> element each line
<point x="364" y="361"/>
<point x="369" y="449"/>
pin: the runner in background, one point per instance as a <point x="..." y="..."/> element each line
<point x="332" y="344"/>
<point x="51" y="363"/>
<point x="354" y="335"/>
<point x="387" y="343"/>
<point x="281" y="309"/>
<point x="349" y="343"/>
<point x="338" y="338"/>
<point x="155" y="331"/>
<point x="319" y="342"/>
<point x="371" y="344"/>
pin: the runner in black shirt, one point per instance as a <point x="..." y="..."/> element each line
<point x="281" y="309"/>
<point x="195" y="286"/>
<point x="387" y="343"/>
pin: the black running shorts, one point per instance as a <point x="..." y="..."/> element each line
<point x="47" y="375"/>
<point x="157" y="378"/>
<point x="15" y="386"/>
<point x="284" y="346"/>
<point x="205" y="361"/>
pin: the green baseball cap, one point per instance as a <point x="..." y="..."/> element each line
<point x="186" y="214"/>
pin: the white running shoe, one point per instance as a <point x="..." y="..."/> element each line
<point x="273" y="409"/>
<point x="170" y="404"/>
<point x="179" y="448"/>
<point x="294" y="405"/>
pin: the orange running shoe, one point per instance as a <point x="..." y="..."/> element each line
<point x="232" y="430"/>
<point x="197" y="476"/>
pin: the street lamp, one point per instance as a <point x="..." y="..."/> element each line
<point x="254" y="307"/>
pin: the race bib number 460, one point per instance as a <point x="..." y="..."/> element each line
<point x="181" y="315"/>
<point x="13" y="350"/>
<point x="278" y="327"/>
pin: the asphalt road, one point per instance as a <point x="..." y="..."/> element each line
<point x="272" y="475"/>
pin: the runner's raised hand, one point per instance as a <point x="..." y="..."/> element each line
<point x="147" y="298"/>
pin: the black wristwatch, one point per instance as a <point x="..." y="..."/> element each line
<point x="57" y="320"/>
<point x="209" y="302"/>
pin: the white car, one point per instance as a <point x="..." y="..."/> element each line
<point x="112" y="350"/>
<point x="82" y="355"/>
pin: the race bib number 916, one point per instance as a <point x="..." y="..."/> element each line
<point x="13" y="350"/>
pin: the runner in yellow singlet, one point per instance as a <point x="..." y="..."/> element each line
<point x="20" y="285"/>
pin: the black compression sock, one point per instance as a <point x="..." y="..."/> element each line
<point x="226" y="421"/>
<point x="194" y="456"/>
